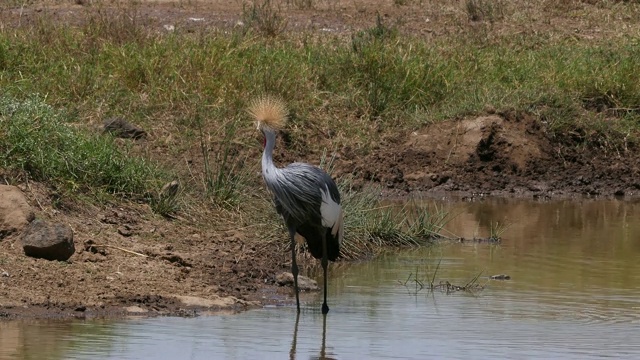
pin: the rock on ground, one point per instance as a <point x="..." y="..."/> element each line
<point x="214" y="301"/>
<point x="51" y="241"/>
<point x="121" y="128"/>
<point x="304" y="283"/>
<point x="15" y="212"/>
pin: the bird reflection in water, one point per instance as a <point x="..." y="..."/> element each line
<point x="323" y="353"/>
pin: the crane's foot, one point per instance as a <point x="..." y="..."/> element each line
<point x="325" y="309"/>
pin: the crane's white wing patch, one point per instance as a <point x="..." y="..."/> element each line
<point x="338" y="228"/>
<point x="330" y="211"/>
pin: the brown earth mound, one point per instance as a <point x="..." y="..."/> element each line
<point x="505" y="154"/>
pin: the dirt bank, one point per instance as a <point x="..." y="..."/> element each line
<point x="510" y="154"/>
<point x="129" y="261"/>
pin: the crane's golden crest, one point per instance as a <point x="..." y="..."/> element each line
<point x="268" y="111"/>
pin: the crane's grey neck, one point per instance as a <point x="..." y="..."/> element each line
<point x="268" y="169"/>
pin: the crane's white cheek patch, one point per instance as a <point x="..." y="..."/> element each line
<point x="330" y="210"/>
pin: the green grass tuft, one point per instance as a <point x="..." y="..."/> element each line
<point x="496" y="229"/>
<point x="225" y="175"/>
<point x="371" y="226"/>
<point x="37" y="140"/>
<point x="485" y="10"/>
<point x="264" y="18"/>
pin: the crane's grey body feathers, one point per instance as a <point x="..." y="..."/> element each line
<point x="309" y="201"/>
<point x="298" y="187"/>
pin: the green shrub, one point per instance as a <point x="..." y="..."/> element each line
<point x="36" y="139"/>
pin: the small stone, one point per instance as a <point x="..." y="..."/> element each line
<point x="501" y="277"/>
<point x="135" y="310"/>
<point x="51" y="241"/>
<point x="304" y="283"/>
<point x="15" y="211"/>
<point x="170" y="190"/>
<point x="125" y="231"/>
<point x="119" y="127"/>
<point x="489" y="109"/>
<point x="213" y="301"/>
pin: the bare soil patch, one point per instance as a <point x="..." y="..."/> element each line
<point x="129" y="261"/>
<point x="500" y="154"/>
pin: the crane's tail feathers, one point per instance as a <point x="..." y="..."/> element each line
<point x="314" y="244"/>
<point x="333" y="246"/>
<point x="314" y="241"/>
<point x="268" y="110"/>
<point x="337" y="231"/>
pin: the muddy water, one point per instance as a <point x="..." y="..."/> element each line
<point x="574" y="293"/>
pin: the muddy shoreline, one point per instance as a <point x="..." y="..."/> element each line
<point x="62" y="304"/>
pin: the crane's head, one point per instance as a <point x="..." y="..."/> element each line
<point x="269" y="112"/>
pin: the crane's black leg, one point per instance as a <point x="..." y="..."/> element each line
<point x="325" y="263"/>
<point x="294" y="267"/>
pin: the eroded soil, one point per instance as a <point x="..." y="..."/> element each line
<point x="130" y="261"/>
<point x="501" y="154"/>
